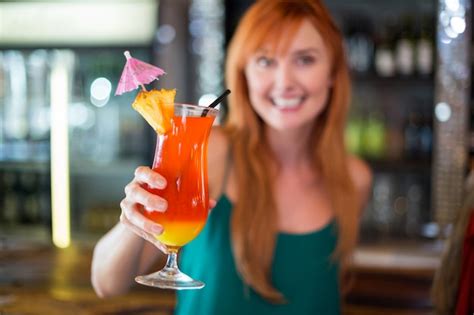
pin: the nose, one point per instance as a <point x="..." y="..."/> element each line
<point x="284" y="77"/>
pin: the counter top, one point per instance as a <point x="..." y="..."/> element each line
<point x="40" y="279"/>
<point x="36" y="278"/>
<point x="394" y="275"/>
<point x="408" y="257"/>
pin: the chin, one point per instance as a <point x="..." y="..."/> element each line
<point x="285" y="126"/>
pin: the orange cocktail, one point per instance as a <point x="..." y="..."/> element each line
<point x="181" y="157"/>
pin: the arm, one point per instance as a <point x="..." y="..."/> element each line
<point x="124" y="252"/>
<point x="218" y="155"/>
<point x="117" y="258"/>
<point x="130" y="248"/>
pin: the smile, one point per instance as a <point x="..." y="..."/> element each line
<point x="287" y="103"/>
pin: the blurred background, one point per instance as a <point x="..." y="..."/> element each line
<point x="60" y="62"/>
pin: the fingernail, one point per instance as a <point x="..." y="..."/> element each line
<point x="156" y="229"/>
<point x="160" y="183"/>
<point x="162" y="205"/>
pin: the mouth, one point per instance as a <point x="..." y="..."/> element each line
<point x="287" y="103"/>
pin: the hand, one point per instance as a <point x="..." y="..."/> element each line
<point x="136" y="198"/>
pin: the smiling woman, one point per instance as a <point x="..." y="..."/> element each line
<point x="275" y="149"/>
<point x="289" y="196"/>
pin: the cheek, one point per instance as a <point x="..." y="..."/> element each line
<point x="257" y="83"/>
<point x="323" y="88"/>
<point x="322" y="76"/>
<point x="323" y="97"/>
<point x="320" y="84"/>
<point x="320" y="93"/>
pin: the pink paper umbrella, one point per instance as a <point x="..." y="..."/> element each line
<point x="136" y="73"/>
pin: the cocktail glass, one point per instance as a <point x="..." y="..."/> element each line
<point x="181" y="157"/>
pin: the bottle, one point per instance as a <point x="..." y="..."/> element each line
<point x="414" y="193"/>
<point x="412" y="136"/>
<point x="374" y="136"/>
<point x="38" y="96"/>
<point x="384" y="59"/>
<point x="30" y="205"/>
<point x="44" y="199"/>
<point x="353" y="132"/>
<point x="2" y="105"/>
<point x="382" y="200"/>
<point x="360" y="45"/>
<point x="405" y="50"/>
<point x="11" y="199"/>
<point x="426" y="134"/>
<point x="424" y="49"/>
<point x="395" y="139"/>
<point x="15" y="111"/>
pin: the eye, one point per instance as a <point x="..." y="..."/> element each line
<point x="305" y="60"/>
<point x="264" y="61"/>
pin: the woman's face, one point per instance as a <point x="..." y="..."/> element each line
<point x="289" y="89"/>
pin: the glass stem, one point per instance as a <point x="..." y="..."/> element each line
<point x="172" y="261"/>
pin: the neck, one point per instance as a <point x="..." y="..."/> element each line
<point x="291" y="147"/>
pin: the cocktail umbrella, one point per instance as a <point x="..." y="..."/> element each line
<point x="136" y="73"/>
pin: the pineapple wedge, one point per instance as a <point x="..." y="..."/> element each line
<point x="157" y="107"/>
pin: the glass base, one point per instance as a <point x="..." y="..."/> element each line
<point x="170" y="278"/>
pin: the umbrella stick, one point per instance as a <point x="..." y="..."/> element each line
<point x="143" y="88"/>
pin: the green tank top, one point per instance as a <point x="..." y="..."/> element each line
<point x="302" y="270"/>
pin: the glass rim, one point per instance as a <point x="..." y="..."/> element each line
<point x="198" y="107"/>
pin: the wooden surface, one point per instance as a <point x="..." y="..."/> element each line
<point x="40" y="279"/>
<point x="48" y="281"/>
<point x="394" y="278"/>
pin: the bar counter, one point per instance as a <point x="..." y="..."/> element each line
<point x="36" y="278"/>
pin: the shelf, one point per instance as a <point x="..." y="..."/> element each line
<point x="398" y="80"/>
<point x="112" y="168"/>
<point x="401" y="166"/>
<point x="399" y="255"/>
<point x="25" y="166"/>
<point x="20" y="237"/>
<point x="120" y="167"/>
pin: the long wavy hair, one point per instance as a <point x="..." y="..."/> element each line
<point x="254" y="218"/>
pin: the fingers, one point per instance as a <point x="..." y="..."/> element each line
<point x="212" y="203"/>
<point x="132" y="213"/>
<point x="141" y="233"/>
<point x="137" y="198"/>
<point x="145" y="175"/>
<point x="137" y="194"/>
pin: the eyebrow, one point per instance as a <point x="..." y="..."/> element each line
<point x="302" y="51"/>
<point x="306" y="51"/>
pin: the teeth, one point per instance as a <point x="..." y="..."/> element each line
<point x="287" y="102"/>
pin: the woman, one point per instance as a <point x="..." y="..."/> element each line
<point x="289" y="197"/>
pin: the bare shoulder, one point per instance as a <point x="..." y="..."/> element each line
<point x="218" y="149"/>
<point x="218" y="144"/>
<point x="361" y="175"/>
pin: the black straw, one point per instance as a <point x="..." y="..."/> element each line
<point x="219" y="99"/>
<point x="216" y="102"/>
